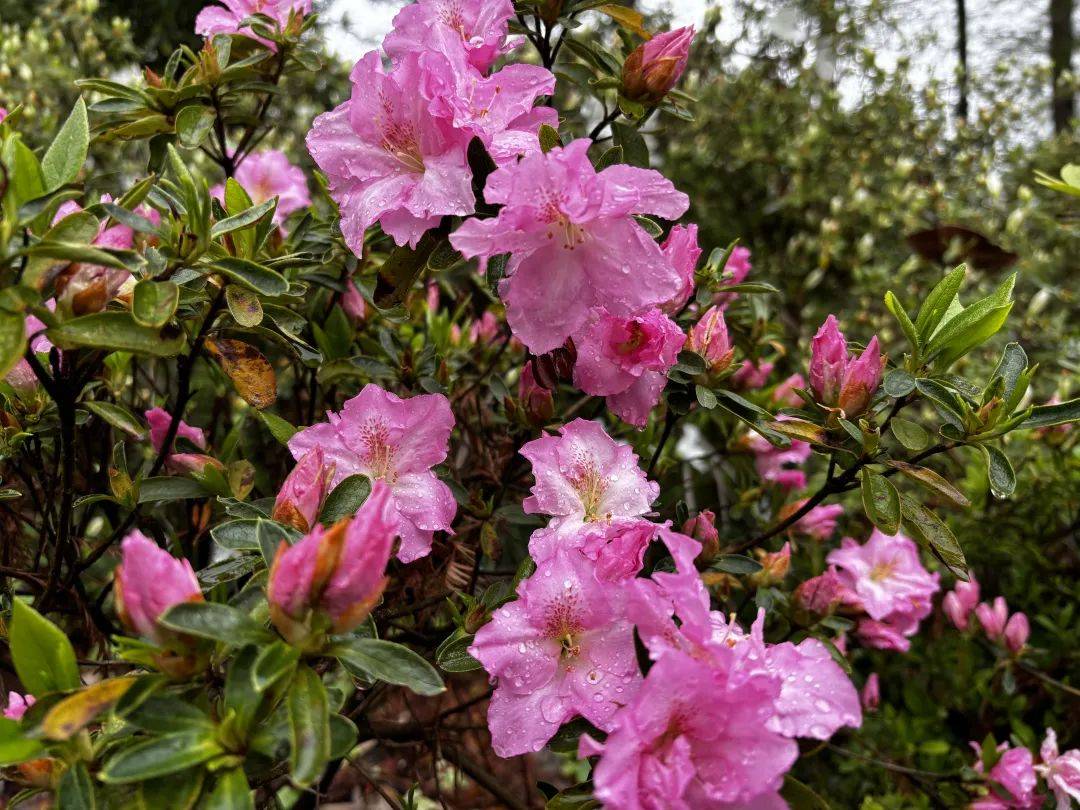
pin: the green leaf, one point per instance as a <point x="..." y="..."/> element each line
<point x="77" y="710"/>
<point x="910" y="332"/>
<point x="244" y="305"/>
<point x="635" y="150"/>
<point x="193" y="124"/>
<point x="44" y="658"/>
<point x="951" y="406"/>
<point x="273" y="662"/>
<point x="931" y="480"/>
<point x="735" y="564"/>
<point x="405" y="265"/>
<point x="12" y="340"/>
<point x="177" y="791"/>
<point x="1000" y="472"/>
<point x="453" y="654"/>
<point x="972" y="326"/>
<point x="159" y="756"/>
<point x="937" y="302"/>
<point x="76" y="791"/>
<point x="251" y="275"/>
<point x="25" y="182"/>
<point x="345" y="499"/>
<point x="162" y="713"/>
<point x="1061" y="413"/>
<point x="279" y="428"/>
<point x="67" y="153"/>
<point x="118" y="416"/>
<point x="800" y="797"/>
<point x="1013" y="363"/>
<point x="15" y="746"/>
<point x="309" y="727"/>
<point x="928" y="529"/>
<point x="231" y="792"/>
<point x="216" y="622"/>
<point x="154" y="302"/>
<point x="343" y="736"/>
<point x="169" y="488"/>
<point x="881" y="502"/>
<point x="243" y="219"/>
<point x="387" y="661"/>
<point x="549" y="138"/>
<point x="898" y="383"/>
<point x="706" y="398"/>
<point x="910" y="434"/>
<point x="117" y="331"/>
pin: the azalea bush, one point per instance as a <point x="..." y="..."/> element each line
<point x="451" y="472"/>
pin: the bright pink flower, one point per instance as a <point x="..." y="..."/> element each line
<point x="17" y="704"/>
<point x="959" y="602"/>
<point x="564" y="648"/>
<point x="784" y="394"/>
<point x="892" y="633"/>
<point x="574" y="241"/>
<point x="870" y="696"/>
<point x="820" y="594"/>
<point x="884" y="576"/>
<point x="398" y="441"/>
<point x="337" y="573"/>
<point x="302" y="494"/>
<point x="627" y="360"/>
<point x="779" y="465"/>
<point x="837" y="380"/>
<point x="269" y="174"/>
<point x="820" y="522"/>
<point x="617" y="548"/>
<point x="537" y="402"/>
<point x="149" y="581"/>
<point x="993" y="618"/>
<point x="159" y="420"/>
<point x="585" y="476"/>
<point x="1017" y="631"/>
<point x="485" y="328"/>
<point x="3" y="115"/>
<point x="388" y="159"/>
<point x="652" y="69"/>
<point x="227" y="17"/>
<point x="751" y="375"/>
<point x="816" y="697"/>
<point x="1061" y="771"/>
<point x="1015" y="772"/>
<point x="709" y="338"/>
<point x="479" y="26"/>
<point x="682" y="250"/>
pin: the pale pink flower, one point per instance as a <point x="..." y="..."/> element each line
<point x="884" y="576"/>
<point x="268" y="174"/>
<point x="993" y="618"/>
<point x="1017" y="631"/>
<point x="485" y="328"/>
<point x="574" y="241"/>
<point x="751" y="375"/>
<point x="585" y="476"/>
<point x="303" y="492"/>
<point x="149" y="581"/>
<point x="682" y="250"/>
<point x="709" y="338"/>
<point x="653" y="68"/>
<point x="820" y="522"/>
<point x="892" y="633"/>
<point x="388" y="159"/>
<point x="564" y="648"/>
<point x="626" y="359"/>
<point x="780" y="465"/>
<point x="159" y="420"/>
<point x="837" y="380"/>
<point x="385" y="437"/>
<point x="1061" y="771"/>
<point x="784" y="394"/>
<point x="339" y="573"/>
<point x="17" y="704"/>
<point x="1015" y="772"/>
<point x="617" y="548"/>
<point x="870" y="696"/>
<point x="228" y="17"/>
<point x="479" y="26"/>
<point x="702" y="527"/>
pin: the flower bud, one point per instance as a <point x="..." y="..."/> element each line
<point x="774" y="565"/>
<point x="1017" y="632"/>
<point x="702" y="527"/>
<point x="149" y="581"/>
<point x="993" y="619"/>
<point x="954" y="609"/>
<point x="302" y="494"/>
<point x="654" y="67"/>
<point x="751" y="376"/>
<point x="870" y="696"/>
<point x="536" y="401"/>
<point x="839" y="381"/>
<point x="332" y="578"/>
<point x="709" y="338"/>
<point x="17" y="705"/>
<point x="861" y="380"/>
<point x="22" y="378"/>
<point x="353" y="303"/>
<point x="821" y="594"/>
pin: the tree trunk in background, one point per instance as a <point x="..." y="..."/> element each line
<point x="962" y="59"/>
<point x="1061" y="48"/>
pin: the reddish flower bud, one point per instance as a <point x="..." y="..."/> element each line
<point x="774" y="565"/>
<point x="709" y="338"/>
<point x="993" y="618"/>
<point x="838" y="380"/>
<point x="536" y="400"/>
<point x="653" y="68"/>
<point x="821" y="594"/>
<point x="1016" y="632"/>
<point x="149" y="581"/>
<point x="870" y="696"/>
<point x="305" y="489"/>
<point x="702" y="527"/>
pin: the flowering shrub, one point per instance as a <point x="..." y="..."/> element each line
<point x="335" y="534"/>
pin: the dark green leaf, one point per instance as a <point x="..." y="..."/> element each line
<point x="453" y="655"/>
<point x="215" y="622"/>
<point x="930" y="479"/>
<point x="12" y="340"/>
<point x="76" y="791"/>
<point x="278" y="427"/>
<point x="169" y="488"/>
<point x="928" y="529"/>
<point x="154" y="302"/>
<point x="67" y="153"/>
<point x="273" y="662"/>
<point x="1043" y="416"/>
<point x="117" y="416"/>
<point x="309" y="727"/>
<point x="159" y="756"/>
<point x="908" y="328"/>
<point x="937" y="302"/>
<point x="909" y="434"/>
<point x="249" y="274"/>
<point x="394" y="663"/>
<point x="231" y="792"/>
<point x="176" y="791"/>
<point x="1000" y="471"/>
<point x="15" y="747"/>
<point x="881" y="502"/>
<point x="735" y="564"/>
<point x="549" y="138"/>
<point x="898" y="383"/>
<point x="243" y="219"/>
<point x="345" y="499"/>
<point x="117" y="331"/>
<point x="193" y="124"/>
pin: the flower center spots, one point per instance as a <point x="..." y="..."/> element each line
<point x="676" y="728"/>
<point x="882" y="571"/>
<point x="378" y="453"/>
<point x="559" y="225"/>
<point x="589" y="485"/>
<point x="635" y="339"/>
<point x="399" y="139"/>
<point x="561" y="622"/>
<point x="451" y="16"/>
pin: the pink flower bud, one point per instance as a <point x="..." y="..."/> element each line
<point x="870" y="696"/>
<point x="993" y="619"/>
<point x="681" y="249"/>
<point x="709" y="338"/>
<point x="305" y="489"/>
<point x="820" y="522"/>
<point x="784" y="394"/>
<point x="653" y="68"/>
<point x="22" y="378"/>
<point x="954" y="609"/>
<point x="828" y="361"/>
<point x="702" y="527"/>
<point x="1017" y="632"/>
<point x="536" y="401"/>
<point x="774" y="565"/>
<point x="353" y="303"/>
<point x="967" y="593"/>
<point x="332" y="578"/>
<point x="485" y="329"/>
<point x="17" y="705"/>
<point x="861" y="380"/>
<point x="149" y="581"/>
<point x="821" y="594"/>
<point x="159" y="420"/>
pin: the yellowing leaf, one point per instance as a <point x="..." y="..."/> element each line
<point x="76" y="711"/>
<point x="627" y="18"/>
<point x="250" y="372"/>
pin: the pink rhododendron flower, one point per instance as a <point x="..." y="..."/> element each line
<point x="574" y="241"/>
<point x="617" y="548"/>
<point x="385" y="437"/>
<point x="820" y="522"/>
<point x="479" y="26"/>
<point x="779" y="465"/>
<point x="848" y="383"/>
<point x="228" y="17"/>
<point x="564" y="648"/>
<point x="585" y="476"/>
<point x="1016" y="632"/>
<point x="268" y="174"/>
<point x="1015" y="772"/>
<point x="159" y="420"/>
<point x="353" y="303"/>
<point x="820" y="594"/>
<point x="485" y="328"/>
<point x="17" y="704"/>
<point x="709" y="338"/>
<point x="653" y="68"/>
<point x="784" y="394"/>
<point x="337" y="573"/>
<point x="993" y="618"/>
<point x="149" y="581"/>
<point x="1061" y="771"/>
<point x="303" y="492"/>
<point x="961" y="601"/>
<point x="870" y="696"/>
<point x="752" y="374"/>
<point x="388" y="159"/>
<point x="3" y="115"/>
<point x="86" y="288"/>
<point x="892" y="633"/>
<point x="682" y="250"/>
<point x="627" y="360"/>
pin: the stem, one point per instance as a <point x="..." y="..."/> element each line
<point x="895" y="768"/>
<point x="487" y="780"/>
<point x="670" y="421"/>
<point x="607" y="119"/>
